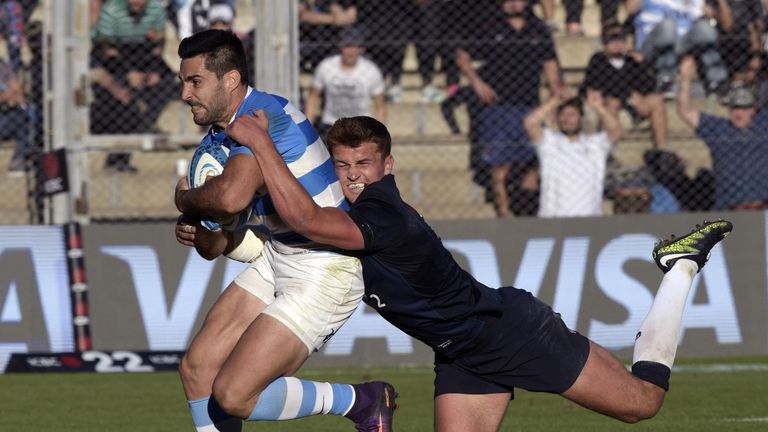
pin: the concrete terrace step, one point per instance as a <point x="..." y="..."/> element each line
<point x="132" y="196"/>
<point x="433" y="176"/>
<point x="574" y="52"/>
<point x="446" y="188"/>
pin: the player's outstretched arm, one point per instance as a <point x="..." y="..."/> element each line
<point x="327" y="225"/>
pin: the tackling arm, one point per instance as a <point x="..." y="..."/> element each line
<point x="327" y="225"/>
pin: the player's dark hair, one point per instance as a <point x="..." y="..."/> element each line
<point x="222" y="52"/>
<point x="354" y="131"/>
<point x="573" y="102"/>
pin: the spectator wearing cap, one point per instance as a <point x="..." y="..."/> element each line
<point x="630" y="189"/>
<point x="192" y="16"/>
<point x="348" y="83"/>
<point x="222" y="17"/>
<point x="639" y="190"/>
<point x="626" y="82"/>
<point x="738" y="144"/>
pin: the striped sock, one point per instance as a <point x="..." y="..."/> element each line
<point x="289" y="398"/>
<point x="209" y="417"/>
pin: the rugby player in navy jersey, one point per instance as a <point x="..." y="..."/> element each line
<point x="486" y="341"/>
<point x="295" y="294"/>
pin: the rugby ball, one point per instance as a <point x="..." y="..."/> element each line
<point x="207" y="161"/>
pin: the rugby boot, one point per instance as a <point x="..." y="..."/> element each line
<point x="374" y="407"/>
<point x="694" y="246"/>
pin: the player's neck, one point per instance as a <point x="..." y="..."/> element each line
<point x="238" y="96"/>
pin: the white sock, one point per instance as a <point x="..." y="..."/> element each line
<point x="658" y="335"/>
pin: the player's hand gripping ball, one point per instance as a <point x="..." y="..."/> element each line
<point x="207" y="161"/>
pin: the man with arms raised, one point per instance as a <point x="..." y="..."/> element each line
<point x="486" y="341"/>
<point x="295" y="294"/>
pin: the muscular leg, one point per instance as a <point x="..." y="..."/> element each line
<point x="255" y="382"/>
<point x="267" y="350"/>
<point x="229" y="317"/>
<point x="232" y="313"/>
<point x="469" y="412"/>
<point x="606" y="386"/>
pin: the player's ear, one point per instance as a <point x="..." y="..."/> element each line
<point x="389" y="163"/>
<point x="231" y="80"/>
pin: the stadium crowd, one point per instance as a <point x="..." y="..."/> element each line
<point x="654" y="63"/>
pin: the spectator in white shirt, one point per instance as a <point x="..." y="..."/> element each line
<point x="572" y="163"/>
<point x="348" y="82"/>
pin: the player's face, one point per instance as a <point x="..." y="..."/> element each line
<point x="203" y="92"/>
<point x="358" y="167"/>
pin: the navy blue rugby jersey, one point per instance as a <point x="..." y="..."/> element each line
<point x="412" y="280"/>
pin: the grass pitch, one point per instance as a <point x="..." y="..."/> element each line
<point x="718" y="395"/>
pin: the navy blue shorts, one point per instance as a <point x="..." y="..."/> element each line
<point x="503" y="138"/>
<point x="533" y="350"/>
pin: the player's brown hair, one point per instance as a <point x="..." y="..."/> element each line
<point x="354" y="131"/>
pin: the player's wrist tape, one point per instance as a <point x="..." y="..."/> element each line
<point x="249" y="246"/>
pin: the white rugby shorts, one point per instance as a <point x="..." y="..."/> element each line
<point x="311" y="292"/>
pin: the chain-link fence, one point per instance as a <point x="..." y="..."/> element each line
<point x="497" y="108"/>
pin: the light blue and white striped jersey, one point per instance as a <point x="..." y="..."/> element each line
<point x="303" y="151"/>
<point x="652" y="12"/>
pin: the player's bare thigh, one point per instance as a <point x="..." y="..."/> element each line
<point x="456" y="412"/>
<point x="307" y="309"/>
<point x="227" y="320"/>
<point x="606" y="386"/>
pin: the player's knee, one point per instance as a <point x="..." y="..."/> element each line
<point x="646" y="408"/>
<point x="194" y="374"/>
<point x="232" y="402"/>
<point x="186" y="369"/>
